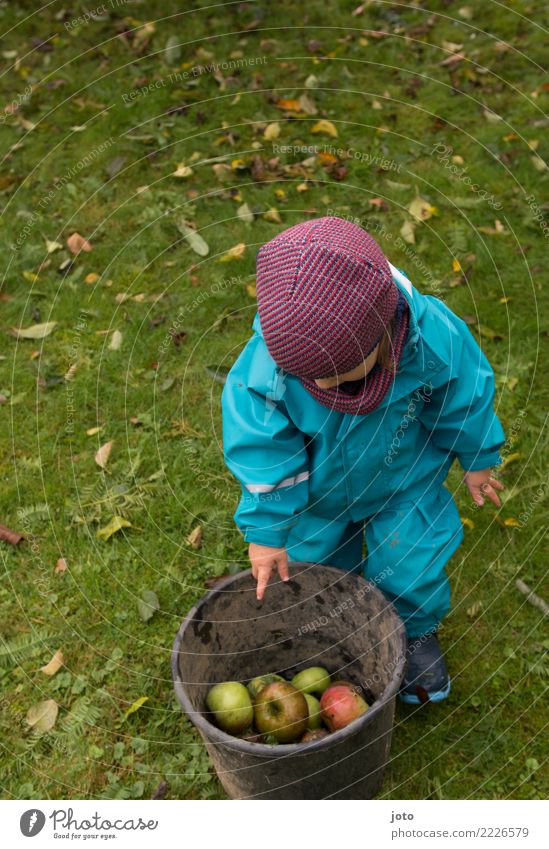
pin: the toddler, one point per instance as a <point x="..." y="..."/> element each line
<point x="341" y="419"/>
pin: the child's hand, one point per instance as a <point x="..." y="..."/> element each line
<point x="265" y="560"/>
<point x="481" y="484"/>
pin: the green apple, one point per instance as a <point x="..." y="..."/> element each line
<point x="257" y="684"/>
<point x="282" y="711"/>
<point x="231" y="706"/>
<point x="315" y="680"/>
<point x="315" y="720"/>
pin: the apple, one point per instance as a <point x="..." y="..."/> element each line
<point x="231" y="706"/>
<point x="340" y="705"/>
<point x="257" y="684"/>
<point x="315" y="720"/>
<point x="315" y="679"/>
<point x="311" y="736"/>
<point x="281" y="710"/>
<point x="356" y="688"/>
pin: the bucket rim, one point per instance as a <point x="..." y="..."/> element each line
<point x="215" y="735"/>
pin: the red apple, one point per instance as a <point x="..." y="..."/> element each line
<point x="340" y="705"/>
<point x="281" y="710"/>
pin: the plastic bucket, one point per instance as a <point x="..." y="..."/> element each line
<point x="322" y="617"/>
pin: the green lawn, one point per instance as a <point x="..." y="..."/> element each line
<point x="99" y="114"/>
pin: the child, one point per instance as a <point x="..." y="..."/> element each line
<point x="342" y="417"/>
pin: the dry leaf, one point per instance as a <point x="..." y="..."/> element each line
<point x="245" y="213"/>
<point x="61" y="566"/>
<point x="183" y="170"/>
<point x="195" y="537"/>
<point x="511" y="458"/>
<point x="7" y="535"/>
<point x="92" y="277"/>
<point x="91" y="431"/>
<point x="272" y="131"/>
<point x="195" y="240"/>
<point x="273" y="215"/>
<point x="421" y="209"/>
<point x="291" y="105"/>
<point x="468" y="523"/>
<point x="35" y="331"/>
<point x="103" y="454"/>
<point x="474" y="610"/>
<point x="54" y="665"/>
<point x="116" y="340"/>
<point x="77" y="243"/>
<point x="53" y="246"/>
<point x="43" y="715"/>
<point x="326" y="128"/>
<point x="408" y="232"/>
<point x="236" y="252"/>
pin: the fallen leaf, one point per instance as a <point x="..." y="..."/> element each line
<point x="116" y="524"/>
<point x="195" y="537"/>
<point x="91" y="431"/>
<point x="7" y="535"/>
<point x="511" y="523"/>
<point x="452" y="60"/>
<point x="468" y="523"/>
<point x="135" y="706"/>
<point x="42" y="716"/>
<point x="236" y="252"/>
<point x="511" y="458"/>
<point x="421" y="209"/>
<point x="61" y="566"/>
<point x="291" y="105"/>
<point x="492" y="117"/>
<point x="408" y="232"/>
<point x="272" y="131"/>
<point x="103" y="454"/>
<point x="36" y="331"/>
<point x="195" y="240"/>
<point x="273" y="215"/>
<point x="54" y="665"/>
<point x="183" y="170"/>
<point x="77" y="243"/>
<point x="538" y="163"/>
<point x="307" y="104"/>
<point x="325" y="127"/>
<point x="148" y="604"/>
<point x="115" y="165"/>
<point x="488" y="333"/>
<point x="251" y="290"/>
<point x="92" y="277"/>
<point x="245" y="213"/>
<point x="474" y="610"/>
<point x="116" y="340"/>
<point x="53" y="246"/>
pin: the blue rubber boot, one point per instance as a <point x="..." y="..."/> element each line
<point x="426" y="678"/>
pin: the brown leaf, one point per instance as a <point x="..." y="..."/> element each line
<point x="13" y="537"/>
<point x="61" y="565"/>
<point x="77" y="243"/>
<point x="102" y="455"/>
<point x="452" y="60"/>
<point x="195" y="537"/>
<point x="54" y="665"/>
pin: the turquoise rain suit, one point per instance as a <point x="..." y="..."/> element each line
<point x="317" y="481"/>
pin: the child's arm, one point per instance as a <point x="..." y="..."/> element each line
<point x="460" y="414"/>
<point x="267" y="454"/>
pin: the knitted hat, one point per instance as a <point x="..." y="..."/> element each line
<point x="325" y="295"/>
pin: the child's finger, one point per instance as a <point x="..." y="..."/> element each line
<point x="496" y="484"/>
<point x="282" y="561"/>
<point x="264" y="573"/>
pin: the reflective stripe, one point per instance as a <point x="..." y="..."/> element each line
<point x="398" y="275"/>
<point x="268" y="487"/>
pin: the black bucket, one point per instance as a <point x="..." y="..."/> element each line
<point x="321" y="617"/>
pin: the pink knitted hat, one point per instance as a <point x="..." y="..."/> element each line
<point x="325" y="294"/>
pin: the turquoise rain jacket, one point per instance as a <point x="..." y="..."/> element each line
<point x="293" y="456"/>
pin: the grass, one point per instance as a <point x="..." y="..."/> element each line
<point x="78" y="151"/>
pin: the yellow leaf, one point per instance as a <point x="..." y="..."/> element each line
<point x="103" y="454"/>
<point x="35" y="331"/>
<point x="302" y="187"/>
<point x="236" y="252"/>
<point x="53" y="246"/>
<point x="90" y="278"/>
<point x="182" y="170"/>
<point x="273" y="215"/>
<point x="511" y="458"/>
<point x="538" y="163"/>
<point x="116" y="340"/>
<point x="421" y="209"/>
<point x="135" y="706"/>
<point x="280" y="194"/>
<point x="291" y="105"/>
<point x="272" y="131"/>
<point x="327" y="158"/>
<point x="195" y="537"/>
<point x="468" y="523"/>
<point x="456" y="266"/>
<point x="505" y="299"/>
<point x="30" y="276"/>
<point x="408" y="232"/>
<point x="116" y="524"/>
<point x="54" y="665"/>
<point x="251" y="290"/>
<point x="91" y="431"/>
<point x="511" y="523"/>
<point x="326" y="128"/>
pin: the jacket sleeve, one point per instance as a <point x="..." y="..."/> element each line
<point x="263" y="448"/>
<point x="460" y="414"/>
